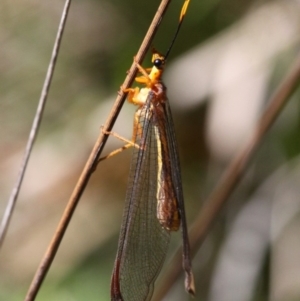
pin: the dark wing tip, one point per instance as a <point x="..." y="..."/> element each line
<point x="190" y="284"/>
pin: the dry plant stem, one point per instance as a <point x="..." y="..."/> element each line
<point x="35" y="126"/>
<point x="91" y="164"/>
<point x="230" y="178"/>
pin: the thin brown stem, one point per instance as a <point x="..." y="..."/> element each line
<point x="231" y="178"/>
<point x="35" y="126"/>
<point x="92" y="160"/>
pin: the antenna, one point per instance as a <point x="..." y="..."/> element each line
<point x="181" y="17"/>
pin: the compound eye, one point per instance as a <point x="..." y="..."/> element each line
<point x="158" y="63"/>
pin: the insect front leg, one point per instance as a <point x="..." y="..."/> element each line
<point x="144" y="79"/>
<point x="132" y="96"/>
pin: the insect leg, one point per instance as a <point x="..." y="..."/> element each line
<point x="129" y="144"/>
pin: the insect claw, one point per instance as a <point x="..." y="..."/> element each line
<point x="120" y="91"/>
<point x="104" y="131"/>
<point x="137" y="63"/>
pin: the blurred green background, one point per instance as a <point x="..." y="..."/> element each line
<point x="228" y="59"/>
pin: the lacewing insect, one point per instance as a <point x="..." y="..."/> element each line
<point x="154" y="205"/>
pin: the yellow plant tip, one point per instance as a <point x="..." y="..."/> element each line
<point x="184" y="9"/>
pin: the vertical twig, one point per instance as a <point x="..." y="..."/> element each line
<point x="92" y="160"/>
<point x="35" y="126"/>
<point x="230" y="178"/>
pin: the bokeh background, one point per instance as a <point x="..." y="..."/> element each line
<point x="229" y="58"/>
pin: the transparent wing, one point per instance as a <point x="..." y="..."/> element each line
<point x="143" y="243"/>
<point x="177" y="186"/>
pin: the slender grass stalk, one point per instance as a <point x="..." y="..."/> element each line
<point x="35" y="126"/>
